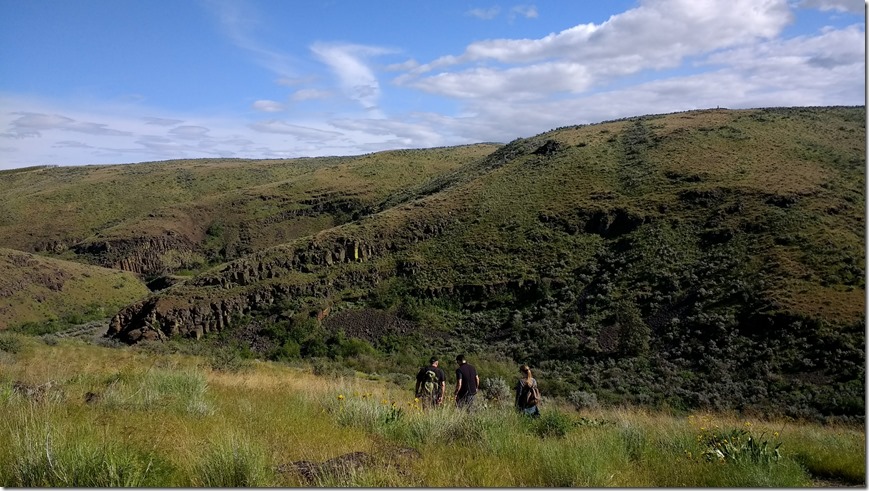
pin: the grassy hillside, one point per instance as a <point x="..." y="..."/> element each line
<point x="79" y="415"/>
<point x="707" y="259"/>
<point x="38" y="290"/>
<point x="166" y="217"/>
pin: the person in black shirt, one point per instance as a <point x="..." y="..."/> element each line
<point x="431" y="392"/>
<point x="467" y="383"/>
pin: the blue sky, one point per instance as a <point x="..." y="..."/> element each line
<point x="117" y="81"/>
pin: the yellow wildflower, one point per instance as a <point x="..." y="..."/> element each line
<point x="340" y="397"/>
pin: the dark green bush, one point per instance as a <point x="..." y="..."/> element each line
<point x="10" y="343"/>
<point x="551" y="424"/>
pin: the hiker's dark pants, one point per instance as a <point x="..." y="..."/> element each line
<point x="465" y="401"/>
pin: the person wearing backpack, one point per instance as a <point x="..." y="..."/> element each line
<point x="527" y="393"/>
<point x="431" y="384"/>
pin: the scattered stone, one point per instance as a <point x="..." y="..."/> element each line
<point x="343" y="465"/>
<point x="34" y="392"/>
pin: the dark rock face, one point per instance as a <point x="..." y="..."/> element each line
<point x="549" y="148"/>
<point x="163" y="282"/>
<point x="260" y="280"/>
<point x="158" y="318"/>
<point x="145" y="255"/>
<point x="212" y="309"/>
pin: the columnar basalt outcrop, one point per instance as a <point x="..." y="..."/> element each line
<point x="329" y="248"/>
<point x="195" y="310"/>
<point x="159" y="318"/>
<point x="145" y="255"/>
<point x="210" y="301"/>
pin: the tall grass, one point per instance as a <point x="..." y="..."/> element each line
<point x="148" y="429"/>
<point x="45" y="449"/>
<point x="233" y="460"/>
<point x="623" y="448"/>
<point x="180" y="390"/>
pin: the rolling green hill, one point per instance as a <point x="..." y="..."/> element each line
<point x="164" y="217"/>
<point x="36" y="289"/>
<point x="709" y="258"/>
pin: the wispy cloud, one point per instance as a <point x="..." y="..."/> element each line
<point x="162" y="121"/>
<point x="302" y="132"/>
<point x="70" y="144"/>
<point x="852" y="6"/>
<point x="484" y="14"/>
<point x="190" y="132"/>
<point x="310" y="95"/>
<point x="527" y="11"/>
<point x="238" y="21"/>
<point x="268" y="106"/>
<point x="403" y="66"/>
<point x="33" y="124"/>
<point x="349" y="63"/>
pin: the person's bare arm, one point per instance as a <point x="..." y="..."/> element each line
<point x="478" y="382"/>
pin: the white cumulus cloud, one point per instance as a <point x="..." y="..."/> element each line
<point x="656" y="35"/>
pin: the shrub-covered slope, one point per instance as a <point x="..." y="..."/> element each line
<point x="36" y="289"/>
<point x="707" y="258"/>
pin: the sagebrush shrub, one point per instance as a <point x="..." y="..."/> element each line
<point x="10" y="343"/>
<point x="496" y="390"/>
<point x="552" y="424"/>
<point x="581" y="399"/>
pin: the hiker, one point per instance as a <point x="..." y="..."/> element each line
<point x="431" y="384"/>
<point x="527" y="393"/>
<point x="467" y="383"/>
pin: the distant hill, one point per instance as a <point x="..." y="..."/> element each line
<point x="164" y="217"/>
<point x="36" y="289"/>
<point x="711" y="258"/>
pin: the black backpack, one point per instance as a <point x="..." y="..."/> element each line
<point x="530" y="394"/>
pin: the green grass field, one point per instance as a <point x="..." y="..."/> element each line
<point x="82" y="415"/>
<point x="53" y="293"/>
